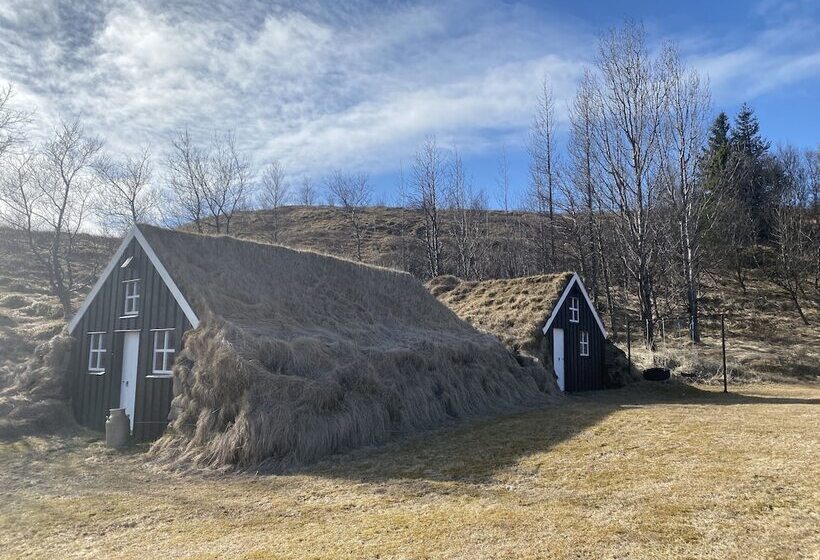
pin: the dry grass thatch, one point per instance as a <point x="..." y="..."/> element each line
<point x="35" y="398"/>
<point x="300" y="355"/>
<point x="514" y="310"/>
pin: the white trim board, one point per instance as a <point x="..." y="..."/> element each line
<point x="575" y="279"/>
<point x="135" y="233"/>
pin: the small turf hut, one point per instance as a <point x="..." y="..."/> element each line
<point x="549" y="317"/>
<point x="260" y="353"/>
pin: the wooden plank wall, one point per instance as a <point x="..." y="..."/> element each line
<point x="94" y="395"/>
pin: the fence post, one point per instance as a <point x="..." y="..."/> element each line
<point x="723" y="344"/>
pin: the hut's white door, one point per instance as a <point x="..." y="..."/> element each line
<point x="558" y="355"/>
<point x="128" y="385"/>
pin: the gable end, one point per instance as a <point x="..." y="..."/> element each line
<point x="557" y="307"/>
<point x="135" y="234"/>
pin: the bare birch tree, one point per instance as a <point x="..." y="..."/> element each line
<point x="187" y="176"/>
<point x="685" y="139"/>
<point x="208" y="184"/>
<point x="228" y="184"/>
<point x="429" y="176"/>
<point x="274" y="192"/>
<point x="306" y="194"/>
<point x="352" y="192"/>
<point x="629" y="99"/>
<point x="544" y="172"/>
<point x="795" y="235"/>
<point x="126" y="195"/>
<point x="582" y="177"/>
<point x="465" y="221"/>
<point x="12" y="121"/>
<point x="46" y="198"/>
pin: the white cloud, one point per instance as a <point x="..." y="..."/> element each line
<point x="775" y="58"/>
<point x="322" y="85"/>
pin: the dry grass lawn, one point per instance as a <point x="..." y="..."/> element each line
<point x="652" y="471"/>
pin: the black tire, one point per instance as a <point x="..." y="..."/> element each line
<point x="656" y="374"/>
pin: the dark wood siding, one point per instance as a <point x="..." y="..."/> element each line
<point x="93" y="395"/>
<point x="581" y="373"/>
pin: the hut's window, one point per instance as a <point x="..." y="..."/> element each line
<point x="584" y="343"/>
<point x="132" y="297"/>
<point x="96" y="353"/>
<point x="126" y="262"/>
<point x="574" y="310"/>
<point x="163" y="352"/>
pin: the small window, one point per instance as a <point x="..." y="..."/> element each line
<point x="96" y="353"/>
<point x="126" y="262"/>
<point x="584" y="343"/>
<point x="132" y="297"/>
<point x="574" y="310"/>
<point x="163" y="352"/>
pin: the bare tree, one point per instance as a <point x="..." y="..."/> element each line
<point x="306" y="195"/>
<point x="584" y="179"/>
<point x="465" y="220"/>
<point x="795" y="235"/>
<point x="187" y="170"/>
<point x="812" y="162"/>
<point x="685" y="140"/>
<point x="207" y="183"/>
<point x="352" y="192"/>
<point x="274" y="192"/>
<point x="12" y="121"/>
<point x="510" y="232"/>
<point x="629" y="102"/>
<point x="46" y="198"/>
<point x="543" y="172"/>
<point x="228" y="184"/>
<point x="429" y="172"/>
<point x="126" y="196"/>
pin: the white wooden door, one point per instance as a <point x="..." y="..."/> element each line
<point x="558" y="355"/>
<point x="128" y="385"/>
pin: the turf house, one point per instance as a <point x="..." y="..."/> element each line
<point x="232" y="353"/>
<point x="548" y="317"/>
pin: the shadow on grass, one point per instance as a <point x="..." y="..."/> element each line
<point x="474" y="452"/>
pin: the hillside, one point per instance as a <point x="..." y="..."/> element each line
<point x="30" y="317"/>
<point x="765" y="336"/>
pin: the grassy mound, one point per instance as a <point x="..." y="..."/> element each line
<point x="300" y="355"/>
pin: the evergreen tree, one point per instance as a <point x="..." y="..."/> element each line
<point x="717" y="151"/>
<point x="746" y="137"/>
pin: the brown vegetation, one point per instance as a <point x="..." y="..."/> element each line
<point x="33" y="348"/>
<point x="514" y="310"/>
<point x="645" y="472"/>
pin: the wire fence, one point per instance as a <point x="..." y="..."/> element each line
<point x="675" y="333"/>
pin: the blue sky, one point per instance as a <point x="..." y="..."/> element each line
<point x="323" y="85"/>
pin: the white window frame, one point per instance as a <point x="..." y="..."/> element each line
<point x="574" y="309"/>
<point x="583" y="341"/>
<point x="132" y="299"/>
<point x="96" y="353"/>
<point x="162" y="335"/>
